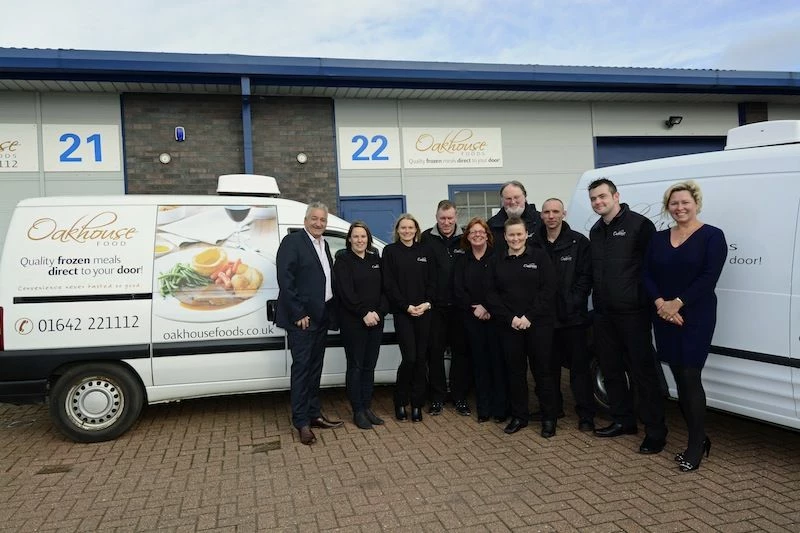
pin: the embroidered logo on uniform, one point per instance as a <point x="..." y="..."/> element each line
<point x="459" y="251"/>
<point x="422" y="259"/>
<point x="530" y="265"/>
<point x="566" y="258"/>
<point x="376" y="266"/>
<point x="619" y="233"/>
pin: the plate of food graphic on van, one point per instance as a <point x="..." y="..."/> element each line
<point x="208" y="284"/>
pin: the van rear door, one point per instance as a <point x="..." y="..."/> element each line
<point x="214" y="272"/>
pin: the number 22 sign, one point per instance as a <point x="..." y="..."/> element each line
<point x="81" y="148"/>
<point x="369" y="148"/>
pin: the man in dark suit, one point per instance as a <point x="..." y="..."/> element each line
<point x="305" y="311"/>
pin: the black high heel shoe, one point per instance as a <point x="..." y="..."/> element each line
<point x="687" y="466"/>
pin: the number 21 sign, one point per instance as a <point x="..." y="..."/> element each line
<point x="81" y="148"/>
<point x="369" y="148"/>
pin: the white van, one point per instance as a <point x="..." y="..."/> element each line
<point x="751" y="190"/>
<point x="107" y="303"/>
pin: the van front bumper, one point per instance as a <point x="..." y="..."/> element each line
<point x="23" y="392"/>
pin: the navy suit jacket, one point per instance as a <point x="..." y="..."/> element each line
<point x="301" y="283"/>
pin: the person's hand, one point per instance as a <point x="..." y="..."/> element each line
<point x="516" y="322"/>
<point x="480" y="312"/>
<point x="303" y="323"/>
<point x="676" y="319"/>
<point x="524" y="323"/>
<point x="668" y="310"/>
<point x="371" y="319"/>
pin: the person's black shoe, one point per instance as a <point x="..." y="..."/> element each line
<point x="585" y="424"/>
<point x="373" y="418"/>
<point x="400" y="412"/>
<point x="548" y="428"/>
<point x="416" y="414"/>
<point x="615" y="430"/>
<point x="462" y="408"/>
<point x="515" y="425"/>
<point x="360" y="419"/>
<point x="435" y="409"/>
<point x="322" y="422"/>
<point x="483" y="418"/>
<point x="651" y="446"/>
<point x="536" y="416"/>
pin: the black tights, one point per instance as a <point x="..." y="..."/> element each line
<point x="692" y="400"/>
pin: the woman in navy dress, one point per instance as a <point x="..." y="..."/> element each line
<point x="681" y="269"/>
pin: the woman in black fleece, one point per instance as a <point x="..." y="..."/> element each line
<point x="362" y="306"/>
<point x="409" y="286"/>
<point x="521" y="297"/>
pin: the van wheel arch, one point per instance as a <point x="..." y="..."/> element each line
<point x="95" y="401"/>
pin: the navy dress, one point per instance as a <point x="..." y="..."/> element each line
<point x="689" y="272"/>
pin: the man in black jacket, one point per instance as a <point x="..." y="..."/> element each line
<point x="622" y="319"/>
<point x="571" y="256"/>
<point x="442" y="241"/>
<point x="515" y="204"/>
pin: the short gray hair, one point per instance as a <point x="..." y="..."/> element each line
<point x="316" y="205"/>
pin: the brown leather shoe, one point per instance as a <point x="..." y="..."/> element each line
<point x="307" y="436"/>
<point x="323" y="423"/>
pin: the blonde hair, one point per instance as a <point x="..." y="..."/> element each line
<point x="689" y="186"/>
<point x="406" y="216"/>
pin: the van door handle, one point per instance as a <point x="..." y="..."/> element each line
<point x="272" y="308"/>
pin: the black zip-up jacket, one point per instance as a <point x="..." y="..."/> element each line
<point x="359" y="284"/>
<point x="617" y="254"/>
<point x="443" y="251"/>
<point x="470" y="279"/>
<point x="523" y="285"/>
<point x="407" y="276"/>
<point x="531" y="217"/>
<point x="571" y="256"/>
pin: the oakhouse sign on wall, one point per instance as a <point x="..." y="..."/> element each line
<point x="381" y="148"/>
<point x="452" y="147"/>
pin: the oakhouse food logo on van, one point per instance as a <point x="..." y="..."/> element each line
<point x="452" y="147"/>
<point x="101" y="229"/>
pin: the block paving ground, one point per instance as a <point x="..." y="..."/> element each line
<point x="234" y="464"/>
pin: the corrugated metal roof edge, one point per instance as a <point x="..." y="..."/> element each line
<point x="227" y="68"/>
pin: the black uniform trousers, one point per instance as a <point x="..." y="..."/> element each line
<point x="570" y="346"/>
<point x="447" y="329"/>
<point x="362" y="345"/>
<point x="534" y="346"/>
<point x="412" y="337"/>
<point x="489" y="368"/>
<point x="624" y="343"/>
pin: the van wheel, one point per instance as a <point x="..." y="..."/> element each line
<point x="95" y="402"/>
<point x="599" y="384"/>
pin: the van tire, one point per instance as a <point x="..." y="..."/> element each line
<point x="95" y="402"/>
<point x="599" y="384"/>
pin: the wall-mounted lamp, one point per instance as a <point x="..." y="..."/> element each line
<point x="302" y="158"/>
<point x="673" y="120"/>
<point x="164" y="158"/>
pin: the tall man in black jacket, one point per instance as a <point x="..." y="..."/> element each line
<point x="571" y="256"/>
<point x="442" y="241"/>
<point x="622" y="319"/>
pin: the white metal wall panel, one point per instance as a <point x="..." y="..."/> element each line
<point x="639" y="120"/>
<point x="784" y="112"/>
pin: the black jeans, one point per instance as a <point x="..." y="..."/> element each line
<point x="447" y="329"/>
<point x="362" y="345"/>
<point x="624" y="343"/>
<point x="489" y="368"/>
<point x="412" y="336"/>
<point x="532" y="346"/>
<point x="570" y="345"/>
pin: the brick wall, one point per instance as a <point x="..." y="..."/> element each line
<point x="282" y="128"/>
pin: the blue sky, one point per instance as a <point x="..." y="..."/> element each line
<point x="717" y="34"/>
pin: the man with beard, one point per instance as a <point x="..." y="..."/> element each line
<point x="515" y="204"/>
